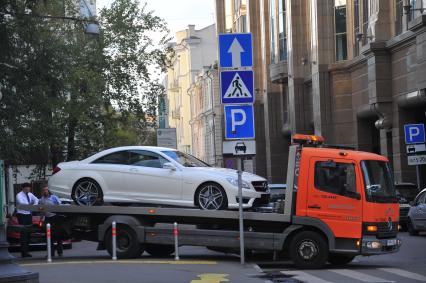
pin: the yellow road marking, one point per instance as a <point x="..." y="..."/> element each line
<point x="211" y="278"/>
<point x="177" y="262"/>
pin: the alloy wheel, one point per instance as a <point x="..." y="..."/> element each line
<point x="86" y="193"/>
<point x="211" y="198"/>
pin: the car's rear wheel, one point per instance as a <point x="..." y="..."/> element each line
<point x="411" y="230"/>
<point x="87" y="192"/>
<point x="211" y="196"/>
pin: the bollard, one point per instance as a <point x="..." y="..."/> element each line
<point x="176" y="234"/>
<point x="49" y="242"/>
<point x="114" y="241"/>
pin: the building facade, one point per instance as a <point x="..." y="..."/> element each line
<point x="193" y="49"/>
<point x="206" y="117"/>
<point x="352" y="71"/>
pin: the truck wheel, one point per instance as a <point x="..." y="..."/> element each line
<point x="128" y="245"/>
<point x="211" y="196"/>
<point x="87" y="191"/>
<point x="340" y="259"/>
<point x="411" y="230"/>
<point x="159" y="250"/>
<point x="309" y="249"/>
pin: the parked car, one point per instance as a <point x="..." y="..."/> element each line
<point x="406" y="192"/>
<point x="417" y="214"/>
<point x="37" y="236"/>
<point x="154" y="175"/>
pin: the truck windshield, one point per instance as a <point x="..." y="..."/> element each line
<point x="185" y="159"/>
<point x="378" y="182"/>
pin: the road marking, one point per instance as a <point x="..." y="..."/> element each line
<point x="359" y="276"/>
<point x="211" y="278"/>
<point x="305" y="277"/>
<point x="404" y="273"/>
<point x="177" y="262"/>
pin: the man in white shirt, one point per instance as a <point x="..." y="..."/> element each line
<point x="25" y="216"/>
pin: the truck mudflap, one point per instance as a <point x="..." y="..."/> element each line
<point x="370" y="245"/>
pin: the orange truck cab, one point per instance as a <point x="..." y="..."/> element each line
<point x="349" y="195"/>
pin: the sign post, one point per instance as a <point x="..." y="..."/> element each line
<point x="237" y="96"/>
<point x="416" y="148"/>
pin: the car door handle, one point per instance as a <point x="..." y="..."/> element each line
<point x="133" y="170"/>
<point x="314" y="206"/>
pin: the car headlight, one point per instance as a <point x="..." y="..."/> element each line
<point x="234" y="182"/>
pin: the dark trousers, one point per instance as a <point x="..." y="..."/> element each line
<point x="56" y="232"/>
<point x="25" y="219"/>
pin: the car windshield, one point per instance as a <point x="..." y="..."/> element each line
<point x="378" y="182"/>
<point x="185" y="159"/>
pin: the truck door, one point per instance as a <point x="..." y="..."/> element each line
<point x="334" y="195"/>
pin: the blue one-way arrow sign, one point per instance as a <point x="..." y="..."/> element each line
<point x="235" y="50"/>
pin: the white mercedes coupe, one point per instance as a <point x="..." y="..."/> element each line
<point x="154" y="175"/>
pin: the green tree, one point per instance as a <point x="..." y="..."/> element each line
<point x="67" y="95"/>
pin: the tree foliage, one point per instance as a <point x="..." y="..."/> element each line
<point x="66" y="94"/>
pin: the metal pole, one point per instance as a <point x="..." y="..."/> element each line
<point x="176" y="234"/>
<point x="418" y="177"/>
<point x="49" y="243"/>
<point x="114" y="241"/>
<point x="240" y="200"/>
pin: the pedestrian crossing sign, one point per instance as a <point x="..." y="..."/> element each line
<point x="237" y="87"/>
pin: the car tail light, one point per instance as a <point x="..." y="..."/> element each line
<point x="40" y="224"/>
<point x="56" y="170"/>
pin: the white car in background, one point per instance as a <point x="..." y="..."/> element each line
<point x="154" y="175"/>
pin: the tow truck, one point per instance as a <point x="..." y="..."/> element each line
<point x="339" y="203"/>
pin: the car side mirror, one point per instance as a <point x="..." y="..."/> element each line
<point x="170" y="166"/>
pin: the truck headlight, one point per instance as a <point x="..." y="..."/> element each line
<point x="234" y="182"/>
<point x="374" y="245"/>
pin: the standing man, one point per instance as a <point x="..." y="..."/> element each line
<point x="48" y="199"/>
<point x="24" y="216"/>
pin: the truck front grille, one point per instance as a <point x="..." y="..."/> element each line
<point x="384" y="229"/>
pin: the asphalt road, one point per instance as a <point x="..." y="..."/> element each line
<point x="406" y="266"/>
<point x="199" y="265"/>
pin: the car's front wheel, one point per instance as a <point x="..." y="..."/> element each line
<point x="87" y="192"/>
<point x="211" y="196"/>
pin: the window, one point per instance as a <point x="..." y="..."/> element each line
<point x="120" y="157"/>
<point x="421" y="199"/>
<point x="340" y="29"/>
<point x="356" y="27"/>
<point x="365" y="20"/>
<point x="146" y="159"/>
<point x="185" y="159"/>
<point x="378" y="182"/>
<point x="399" y="12"/>
<point x="273" y="30"/>
<point x="282" y="36"/>
<point x="335" y="178"/>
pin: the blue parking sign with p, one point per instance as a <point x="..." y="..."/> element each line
<point x="414" y="133"/>
<point x="239" y="121"/>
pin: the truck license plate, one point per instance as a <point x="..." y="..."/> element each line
<point x="391" y="242"/>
